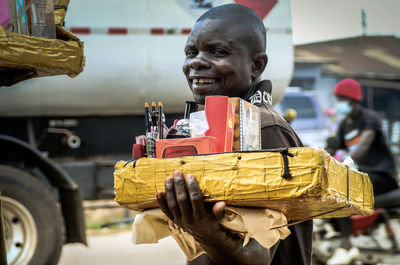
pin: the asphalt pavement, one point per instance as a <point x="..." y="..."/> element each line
<point x="117" y="249"/>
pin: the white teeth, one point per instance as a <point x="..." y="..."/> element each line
<point x="203" y="81"/>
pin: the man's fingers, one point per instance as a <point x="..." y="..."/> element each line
<point x="219" y="210"/>
<point x="171" y="198"/>
<point x="195" y="196"/>
<point x="162" y="202"/>
<point x="182" y="196"/>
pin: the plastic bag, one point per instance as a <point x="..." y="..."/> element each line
<point x="198" y="124"/>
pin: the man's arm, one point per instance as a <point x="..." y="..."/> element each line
<point x="184" y="205"/>
<point x="367" y="137"/>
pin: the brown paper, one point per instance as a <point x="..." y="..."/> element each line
<point x="153" y="225"/>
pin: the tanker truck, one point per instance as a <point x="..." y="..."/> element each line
<point x="60" y="137"/>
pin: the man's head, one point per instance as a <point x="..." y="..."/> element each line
<point x="348" y="94"/>
<point x="225" y="52"/>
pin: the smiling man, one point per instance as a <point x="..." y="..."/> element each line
<point x="225" y="55"/>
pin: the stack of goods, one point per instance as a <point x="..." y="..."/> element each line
<point x="303" y="183"/>
<point x="225" y="125"/>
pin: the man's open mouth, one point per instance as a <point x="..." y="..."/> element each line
<point x="203" y="81"/>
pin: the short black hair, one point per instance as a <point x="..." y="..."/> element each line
<point x="245" y="16"/>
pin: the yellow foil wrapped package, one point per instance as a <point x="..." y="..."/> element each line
<point x="301" y="182"/>
<point x="23" y="57"/>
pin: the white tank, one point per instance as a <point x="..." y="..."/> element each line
<point x="141" y="62"/>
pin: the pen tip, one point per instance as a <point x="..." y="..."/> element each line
<point x="146" y="105"/>
<point x="153" y="104"/>
<point x="160" y="104"/>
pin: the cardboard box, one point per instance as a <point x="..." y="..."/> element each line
<point x="247" y="126"/>
<point x="234" y="122"/>
<point x="309" y="184"/>
<point x="185" y="146"/>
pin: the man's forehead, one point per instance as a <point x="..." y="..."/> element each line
<point x="220" y="28"/>
<point x="221" y="24"/>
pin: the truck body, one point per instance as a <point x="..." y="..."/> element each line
<point x="67" y="134"/>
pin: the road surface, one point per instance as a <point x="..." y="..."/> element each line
<point x="117" y="249"/>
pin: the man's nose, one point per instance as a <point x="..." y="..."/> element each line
<point x="199" y="63"/>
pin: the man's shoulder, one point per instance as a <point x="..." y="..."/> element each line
<point x="275" y="131"/>
<point x="269" y="117"/>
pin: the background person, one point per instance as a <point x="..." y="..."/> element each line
<point x="360" y="133"/>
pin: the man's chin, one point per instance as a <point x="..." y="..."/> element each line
<point x="199" y="98"/>
<point x="200" y="95"/>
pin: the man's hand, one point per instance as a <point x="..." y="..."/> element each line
<point x="183" y="203"/>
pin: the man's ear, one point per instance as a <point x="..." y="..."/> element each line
<point x="260" y="61"/>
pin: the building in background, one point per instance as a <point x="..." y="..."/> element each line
<point x="374" y="61"/>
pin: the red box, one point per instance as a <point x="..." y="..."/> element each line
<point x="185" y="146"/>
<point x="220" y="117"/>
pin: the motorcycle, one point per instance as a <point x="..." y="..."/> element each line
<point x="377" y="236"/>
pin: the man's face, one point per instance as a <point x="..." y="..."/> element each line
<point x="218" y="61"/>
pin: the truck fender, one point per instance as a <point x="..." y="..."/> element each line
<point x="70" y="196"/>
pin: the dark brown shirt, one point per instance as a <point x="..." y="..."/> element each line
<point x="277" y="133"/>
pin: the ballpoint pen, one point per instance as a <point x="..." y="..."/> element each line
<point x="160" y="120"/>
<point x="147" y="117"/>
<point x="153" y="117"/>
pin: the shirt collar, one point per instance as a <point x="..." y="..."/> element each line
<point x="260" y="93"/>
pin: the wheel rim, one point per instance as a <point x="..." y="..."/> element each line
<point x="20" y="230"/>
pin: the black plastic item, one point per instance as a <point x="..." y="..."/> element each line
<point x="174" y="136"/>
<point x="191" y="106"/>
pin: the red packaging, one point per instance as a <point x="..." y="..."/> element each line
<point x="137" y="151"/>
<point x="185" y="146"/>
<point x="220" y="117"/>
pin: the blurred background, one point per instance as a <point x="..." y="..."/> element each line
<point x="341" y="39"/>
<point x="57" y="129"/>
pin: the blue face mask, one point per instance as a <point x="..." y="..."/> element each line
<point x="343" y="108"/>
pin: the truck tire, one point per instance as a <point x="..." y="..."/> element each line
<point x="33" y="224"/>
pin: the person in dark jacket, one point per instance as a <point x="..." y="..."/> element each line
<point x="225" y="55"/>
<point x="360" y="133"/>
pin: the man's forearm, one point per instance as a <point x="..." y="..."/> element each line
<point x="226" y="248"/>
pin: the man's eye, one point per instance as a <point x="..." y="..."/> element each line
<point x="219" y="52"/>
<point x="191" y="53"/>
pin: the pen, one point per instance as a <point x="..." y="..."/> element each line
<point x="152" y="134"/>
<point x="147" y="117"/>
<point x="153" y="116"/>
<point x="160" y="120"/>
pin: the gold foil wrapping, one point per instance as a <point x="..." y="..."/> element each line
<point x="60" y="10"/>
<point x="319" y="185"/>
<point x="23" y="56"/>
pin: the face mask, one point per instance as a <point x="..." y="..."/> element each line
<point x="343" y="108"/>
